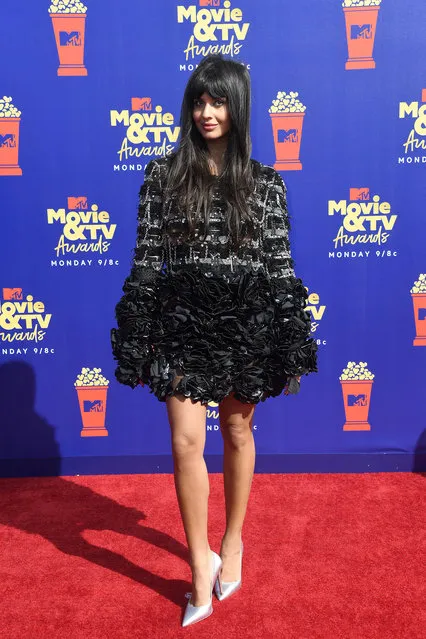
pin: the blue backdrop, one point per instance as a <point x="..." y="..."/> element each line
<point x="91" y="92"/>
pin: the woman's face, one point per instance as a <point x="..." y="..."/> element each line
<point x="211" y="116"/>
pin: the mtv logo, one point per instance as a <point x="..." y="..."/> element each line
<point x="141" y="104"/>
<point x="77" y="203"/>
<point x="12" y="293"/>
<point x="209" y="3"/>
<point x="7" y="140"/>
<point x="97" y="406"/>
<point x="357" y="400"/>
<point x="292" y="135"/>
<point x="421" y="315"/>
<point x="359" y="194"/>
<point x="71" y="39"/>
<point x="361" y="31"/>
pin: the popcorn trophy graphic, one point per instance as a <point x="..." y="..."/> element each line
<point x="418" y="294"/>
<point x="68" y="20"/>
<point x="361" y="20"/>
<point x="9" y="137"/>
<point x="92" y="389"/>
<point x="287" y="113"/>
<point x="357" y="382"/>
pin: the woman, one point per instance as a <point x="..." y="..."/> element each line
<point x="224" y="321"/>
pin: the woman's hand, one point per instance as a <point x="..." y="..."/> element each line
<point x="286" y="388"/>
<point x="152" y="348"/>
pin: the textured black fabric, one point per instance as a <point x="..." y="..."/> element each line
<point x="202" y="320"/>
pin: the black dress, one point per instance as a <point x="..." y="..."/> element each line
<point x="200" y="320"/>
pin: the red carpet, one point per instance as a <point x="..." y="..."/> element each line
<point x="326" y="556"/>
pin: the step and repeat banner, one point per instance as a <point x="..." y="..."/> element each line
<point x="89" y="94"/>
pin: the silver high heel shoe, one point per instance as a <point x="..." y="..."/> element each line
<point x="224" y="589"/>
<point x="197" y="613"/>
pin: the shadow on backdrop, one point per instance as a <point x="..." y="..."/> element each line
<point x="419" y="460"/>
<point x="28" y="445"/>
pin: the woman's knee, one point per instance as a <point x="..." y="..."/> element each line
<point x="187" y="445"/>
<point x="236" y="421"/>
<point x="188" y="427"/>
<point x="236" y="433"/>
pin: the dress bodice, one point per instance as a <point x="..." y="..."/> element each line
<point x="269" y="248"/>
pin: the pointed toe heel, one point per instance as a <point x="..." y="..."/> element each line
<point x="224" y="589"/>
<point x="193" y="614"/>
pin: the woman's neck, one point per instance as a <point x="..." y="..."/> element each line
<point x="217" y="150"/>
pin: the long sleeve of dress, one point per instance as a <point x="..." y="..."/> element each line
<point x="149" y="254"/>
<point x="295" y="350"/>
<point x="138" y="306"/>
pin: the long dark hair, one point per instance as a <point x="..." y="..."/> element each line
<point x="189" y="176"/>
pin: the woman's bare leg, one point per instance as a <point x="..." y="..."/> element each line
<point x="188" y="434"/>
<point x="239" y="452"/>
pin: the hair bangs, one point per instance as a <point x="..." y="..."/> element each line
<point x="207" y="83"/>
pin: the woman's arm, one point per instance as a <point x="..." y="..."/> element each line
<point x="296" y="350"/>
<point x="149" y="253"/>
<point x="137" y="307"/>
<point x="276" y="243"/>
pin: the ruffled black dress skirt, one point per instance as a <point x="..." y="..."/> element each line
<point x="203" y="335"/>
